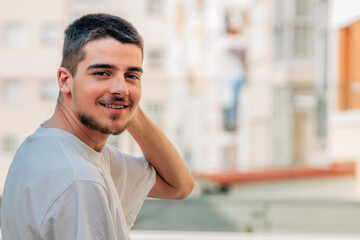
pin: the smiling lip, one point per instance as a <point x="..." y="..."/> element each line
<point x="115" y="108"/>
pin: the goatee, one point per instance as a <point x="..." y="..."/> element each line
<point x="93" y="124"/>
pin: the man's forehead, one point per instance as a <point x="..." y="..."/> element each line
<point x="110" y="52"/>
<point x="109" y="40"/>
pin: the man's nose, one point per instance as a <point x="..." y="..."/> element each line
<point x="119" y="87"/>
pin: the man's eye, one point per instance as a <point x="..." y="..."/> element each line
<point x="102" y="74"/>
<point x="132" y="76"/>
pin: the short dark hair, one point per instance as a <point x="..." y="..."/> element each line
<point x="91" y="27"/>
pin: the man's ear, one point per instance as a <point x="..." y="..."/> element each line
<point x="64" y="78"/>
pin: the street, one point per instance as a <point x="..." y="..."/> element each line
<point x="188" y="235"/>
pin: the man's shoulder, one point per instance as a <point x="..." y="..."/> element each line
<point x="44" y="160"/>
<point x="42" y="170"/>
<point x="36" y="150"/>
<point x="43" y="151"/>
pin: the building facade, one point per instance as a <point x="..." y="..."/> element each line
<point x="344" y="80"/>
<point x="285" y="91"/>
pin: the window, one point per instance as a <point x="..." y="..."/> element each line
<point x="155" y="7"/>
<point x="302" y="7"/>
<point x="9" y="144"/>
<point x="49" y="90"/>
<point x="11" y="91"/>
<point x="348" y="69"/>
<point x="303" y="41"/>
<point x="303" y="36"/>
<point x="294" y="34"/>
<point x="230" y="103"/>
<point x="13" y="35"/>
<point x="51" y="35"/>
<point x="279" y="30"/>
<point x="155" y="57"/>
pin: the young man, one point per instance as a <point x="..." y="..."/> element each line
<point x="64" y="181"/>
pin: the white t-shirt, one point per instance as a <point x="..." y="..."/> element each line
<point x="58" y="187"/>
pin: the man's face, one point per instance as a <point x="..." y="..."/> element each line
<point x="106" y="89"/>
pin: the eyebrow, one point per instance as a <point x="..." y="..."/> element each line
<point x="101" y="65"/>
<point x="111" y="66"/>
<point x="135" y="69"/>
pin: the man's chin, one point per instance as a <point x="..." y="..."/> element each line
<point x="118" y="132"/>
<point x="103" y="129"/>
<point x="110" y="130"/>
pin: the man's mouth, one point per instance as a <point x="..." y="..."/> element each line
<point x="114" y="106"/>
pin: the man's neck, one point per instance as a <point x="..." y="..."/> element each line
<point x="62" y="120"/>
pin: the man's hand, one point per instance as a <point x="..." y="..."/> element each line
<point x="173" y="179"/>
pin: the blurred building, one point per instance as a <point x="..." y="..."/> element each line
<point x="344" y="82"/>
<point x="285" y="92"/>
<point x="30" y="46"/>
<point x="208" y="52"/>
<point x="292" y="142"/>
<point x="282" y="103"/>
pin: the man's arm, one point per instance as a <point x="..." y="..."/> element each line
<point x="173" y="179"/>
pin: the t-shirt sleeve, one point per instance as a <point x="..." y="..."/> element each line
<point x="134" y="177"/>
<point x="80" y="212"/>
